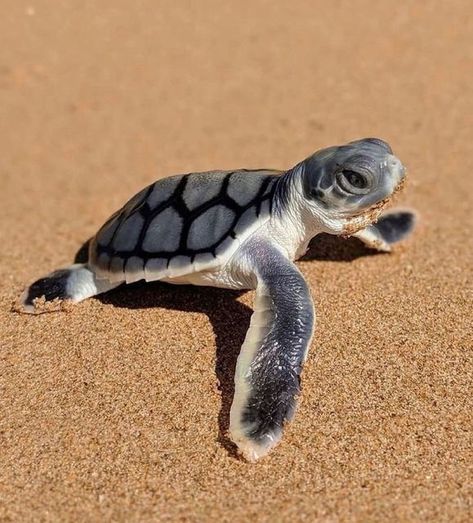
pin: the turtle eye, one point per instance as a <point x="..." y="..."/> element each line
<point x="352" y="182"/>
<point x="355" y="179"/>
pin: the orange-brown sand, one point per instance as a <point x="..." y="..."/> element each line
<point x="116" y="410"/>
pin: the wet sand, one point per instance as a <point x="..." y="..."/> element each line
<point x="117" y="410"/>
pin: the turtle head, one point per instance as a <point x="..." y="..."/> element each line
<point x="345" y="187"/>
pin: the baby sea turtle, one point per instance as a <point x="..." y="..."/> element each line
<point x="243" y="230"/>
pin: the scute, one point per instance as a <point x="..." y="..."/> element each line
<point x="179" y="264"/>
<point x="127" y="234"/>
<point x="116" y="265"/>
<point x="243" y="186"/>
<point x="108" y="230"/>
<point x="198" y="189"/>
<point x="210" y="227"/>
<point x="163" y="232"/>
<point x="102" y="263"/>
<point x="134" y="269"/>
<point x="155" y="266"/>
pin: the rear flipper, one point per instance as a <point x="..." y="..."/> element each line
<point x="392" y="227"/>
<point x="74" y="283"/>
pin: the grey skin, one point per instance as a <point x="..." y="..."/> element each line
<point x="243" y="230"/>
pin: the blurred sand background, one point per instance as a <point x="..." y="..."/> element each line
<point x="117" y="410"/>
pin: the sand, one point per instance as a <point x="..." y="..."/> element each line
<point x="117" y="409"/>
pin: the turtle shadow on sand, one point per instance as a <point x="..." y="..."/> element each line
<point x="229" y="318"/>
<point x="326" y="247"/>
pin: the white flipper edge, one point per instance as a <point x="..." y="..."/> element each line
<point x="259" y="327"/>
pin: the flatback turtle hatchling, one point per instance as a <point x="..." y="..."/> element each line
<point x="243" y="229"/>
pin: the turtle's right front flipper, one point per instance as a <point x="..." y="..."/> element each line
<point x="267" y="378"/>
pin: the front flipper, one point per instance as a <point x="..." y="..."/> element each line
<point x="391" y="228"/>
<point x="267" y="377"/>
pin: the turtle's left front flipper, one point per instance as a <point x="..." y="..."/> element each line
<point x="392" y="227"/>
<point x="267" y="378"/>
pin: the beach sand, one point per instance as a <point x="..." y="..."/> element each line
<point x="117" y="410"/>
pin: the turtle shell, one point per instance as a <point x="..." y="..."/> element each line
<point x="182" y="224"/>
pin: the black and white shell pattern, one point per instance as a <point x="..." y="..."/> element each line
<point x="182" y="224"/>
